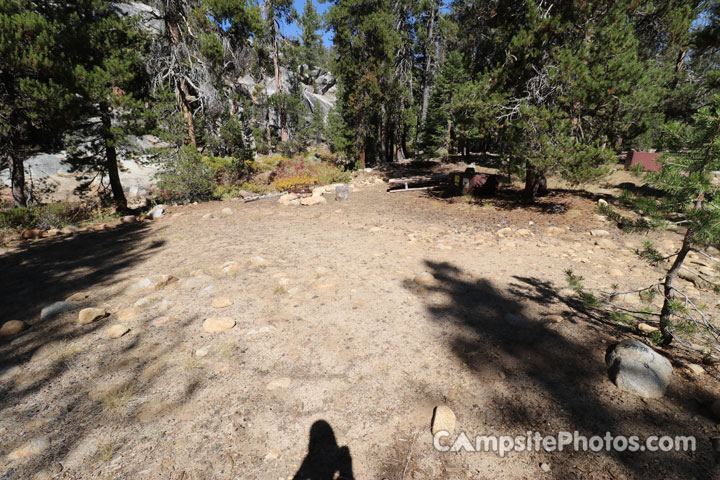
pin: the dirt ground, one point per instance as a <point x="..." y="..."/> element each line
<point x="337" y="357"/>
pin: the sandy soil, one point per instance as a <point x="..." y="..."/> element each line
<point x="337" y="357"/>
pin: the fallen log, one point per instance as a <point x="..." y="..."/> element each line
<point x="414" y="189"/>
<point x="260" y="197"/>
<point x="437" y="177"/>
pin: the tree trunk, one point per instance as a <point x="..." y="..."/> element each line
<point x="403" y="144"/>
<point x="172" y="19"/>
<point x="361" y="159"/>
<point x="111" y="164"/>
<point x="17" y="181"/>
<point x="267" y="130"/>
<point x="535" y="183"/>
<point x="449" y="134"/>
<point x="666" y="312"/>
<point x="182" y="95"/>
<point x="383" y="137"/>
<point x="428" y="65"/>
<point x="278" y="85"/>
<point x="399" y="144"/>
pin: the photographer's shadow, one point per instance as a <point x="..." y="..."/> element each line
<point x="325" y="460"/>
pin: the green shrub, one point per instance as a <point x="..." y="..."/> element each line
<point x="620" y="317"/>
<point x="54" y="215"/>
<point x="298" y="169"/>
<point x="186" y="178"/>
<point x="44" y="217"/>
<point x="18" y="218"/>
<point x="225" y="192"/>
<point x="255" y="188"/>
<point x="268" y="164"/>
<point x="295" y="182"/>
<point x="330" y="174"/>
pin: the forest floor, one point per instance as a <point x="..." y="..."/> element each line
<point x="337" y="357"/>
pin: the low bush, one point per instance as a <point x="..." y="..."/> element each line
<point x="17" y="218"/>
<point x="44" y="217"/>
<point x="299" y="170"/>
<point x="229" y="170"/>
<point x="331" y="174"/>
<point x="256" y="188"/>
<point x="295" y="182"/>
<point x="186" y="178"/>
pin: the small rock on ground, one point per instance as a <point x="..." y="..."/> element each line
<point x="424" y="278"/>
<point x="231" y="267"/>
<point x="117" y="331"/>
<point x="443" y="420"/>
<point x="12" y="327"/>
<point x="56" y="308"/>
<point x="89" y="315"/>
<point x="227" y="211"/>
<point x="222" y="302"/>
<point x="308" y="201"/>
<point x="647" y="329"/>
<point x="696" y="369"/>
<point x="218" y="324"/>
<point x="636" y="368"/>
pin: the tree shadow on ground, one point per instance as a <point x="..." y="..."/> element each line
<point x="554" y="379"/>
<point x="41" y="272"/>
<point x="325" y="460"/>
<point x="72" y="386"/>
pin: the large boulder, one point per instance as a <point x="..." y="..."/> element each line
<point x="325" y="82"/>
<point x="636" y="368"/>
<point x="150" y="19"/>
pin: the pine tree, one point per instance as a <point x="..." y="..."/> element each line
<point x="371" y="64"/>
<point x="686" y="180"/>
<point x="276" y="11"/>
<point x="109" y="81"/>
<point x="441" y="113"/>
<point x="317" y="123"/>
<point x="201" y="45"/>
<point x="34" y="90"/>
<point x="312" y="48"/>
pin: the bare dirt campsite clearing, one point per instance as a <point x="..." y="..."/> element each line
<point x="265" y="341"/>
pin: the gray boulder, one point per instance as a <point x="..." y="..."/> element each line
<point x="636" y="368"/>
<point x="325" y="82"/>
<point x="151" y="19"/>
<point x="55" y="309"/>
